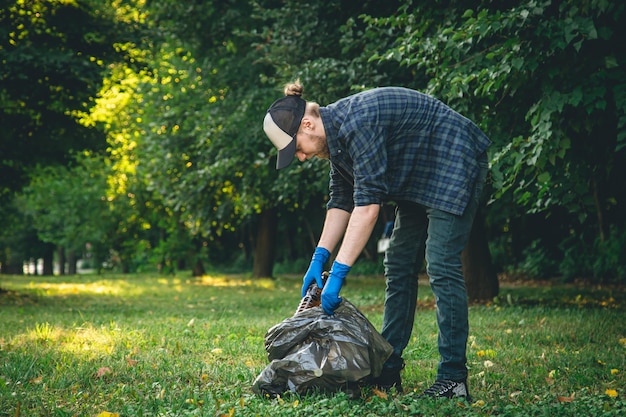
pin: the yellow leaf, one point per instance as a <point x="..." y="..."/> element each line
<point x="487" y="353"/>
<point x="614" y="371"/>
<point x="611" y="393"/>
<point x="478" y="403"/>
<point x="107" y="414"/>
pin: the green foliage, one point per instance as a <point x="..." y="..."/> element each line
<point x="601" y="261"/>
<point x="176" y="92"/>
<point x="68" y="206"/>
<point x="542" y="78"/>
<point x="538" y="262"/>
<point x="53" y="56"/>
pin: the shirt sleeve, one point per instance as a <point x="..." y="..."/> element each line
<point x="341" y="189"/>
<point x="369" y="155"/>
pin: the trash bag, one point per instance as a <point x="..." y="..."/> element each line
<point x="313" y="351"/>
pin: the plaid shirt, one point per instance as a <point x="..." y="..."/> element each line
<point x="393" y="144"/>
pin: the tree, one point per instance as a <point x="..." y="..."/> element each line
<point x="53" y="55"/>
<point x="68" y="206"/>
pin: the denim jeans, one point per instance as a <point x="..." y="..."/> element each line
<point x="439" y="237"/>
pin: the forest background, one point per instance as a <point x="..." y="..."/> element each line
<point x="131" y="129"/>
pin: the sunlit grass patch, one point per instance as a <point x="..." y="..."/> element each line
<point x="176" y="345"/>
<point x="99" y="287"/>
<point x="230" y="281"/>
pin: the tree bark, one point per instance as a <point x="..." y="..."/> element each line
<point x="71" y="262"/>
<point x="48" y="260"/>
<point x="265" y="249"/>
<point x="61" y="259"/>
<point x="198" y="269"/>
<point x="480" y="277"/>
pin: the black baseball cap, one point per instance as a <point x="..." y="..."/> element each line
<point x="281" y="125"/>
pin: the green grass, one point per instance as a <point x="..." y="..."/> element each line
<point x="142" y="345"/>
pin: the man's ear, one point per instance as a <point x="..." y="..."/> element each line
<point x="307" y="124"/>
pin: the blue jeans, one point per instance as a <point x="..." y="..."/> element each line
<point x="440" y="237"/>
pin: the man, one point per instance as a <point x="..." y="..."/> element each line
<point x="393" y="144"/>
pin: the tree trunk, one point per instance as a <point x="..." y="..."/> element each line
<point x="603" y="227"/>
<point x="265" y="248"/>
<point x="71" y="262"/>
<point x="480" y="277"/>
<point x="198" y="269"/>
<point x="61" y="259"/>
<point x="48" y="260"/>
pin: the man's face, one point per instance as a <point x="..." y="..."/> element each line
<point x="309" y="145"/>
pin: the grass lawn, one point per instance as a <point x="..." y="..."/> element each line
<point x="141" y="345"/>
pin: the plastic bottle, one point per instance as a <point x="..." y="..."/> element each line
<point x="313" y="296"/>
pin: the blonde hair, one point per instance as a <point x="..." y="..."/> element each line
<point x="294" y="88"/>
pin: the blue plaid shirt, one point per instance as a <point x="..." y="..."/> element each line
<point x="393" y="144"/>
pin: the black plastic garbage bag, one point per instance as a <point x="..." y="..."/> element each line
<point x="315" y="351"/>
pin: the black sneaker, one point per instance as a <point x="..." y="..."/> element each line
<point x="388" y="379"/>
<point x="445" y="388"/>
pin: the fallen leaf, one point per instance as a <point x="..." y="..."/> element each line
<point x="37" y="380"/>
<point x="107" y="414"/>
<point x="191" y="322"/>
<point x="131" y="362"/>
<point x="103" y="371"/>
<point x="611" y="393"/>
<point x="563" y="399"/>
<point x="379" y="393"/>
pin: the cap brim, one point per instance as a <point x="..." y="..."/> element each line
<point x="286" y="155"/>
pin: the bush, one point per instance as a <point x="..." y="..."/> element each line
<point x="603" y="261"/>
<point x="537" y="262"/>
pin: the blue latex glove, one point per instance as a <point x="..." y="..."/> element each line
<point x="330" y="293"/>
<point x="316" y="267"/>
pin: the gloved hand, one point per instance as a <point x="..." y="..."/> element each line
<point x="316" y="267"/>
<point x="330" y="293"/>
